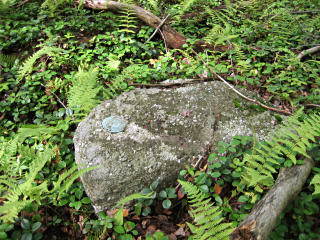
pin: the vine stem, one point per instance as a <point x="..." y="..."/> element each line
<point x="237" y="92"/>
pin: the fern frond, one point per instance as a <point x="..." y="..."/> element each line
<point x="67" y="182"/>
<point x="316" y="182"/>
<point x="293" y="138"/>
<point x="10" y="210"/>
<point x="35" y="131"/>
<point x="53" y="5"/>
<point x="6" y="59"/>
<point x="84" y="90"/>
<point x="27" y="66"/>
<point x="132" y="197"/>
<point x="5" y="5"/>
<point x="128" y="19"/>
<point x="208" y="218"/>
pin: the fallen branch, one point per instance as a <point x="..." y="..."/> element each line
<point x="236" y="91"/>
<point x="173" y="38"/>
<point x="305" y="53"/>
<point x="308" y="51"/>
<point x="312" y="105"/>
<point x="264" y="215"/>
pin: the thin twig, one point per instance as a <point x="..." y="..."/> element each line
<point x="231" y="62"/>
<point x="186" y="81"/>
<point x="20" y="4"/>
<point x="165" y="43"/>
<point x="237" y="92"/>
<point x="58" y="99"/>
<point x="3" y="116"/>
<point x="158" y="28"/>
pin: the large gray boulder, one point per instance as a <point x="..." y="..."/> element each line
<point x="165" y="129"/>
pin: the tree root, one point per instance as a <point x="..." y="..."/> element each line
<point x="263" y="217"/>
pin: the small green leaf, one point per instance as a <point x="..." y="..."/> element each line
<point x="183" y="172"/>
<point x="235" y="142"/>
<point x="129" y="225"/>
<point x="78" y="193"/>
<point x="4" y="227"/>
<point x="118" y="217"/>
<point x="138" y="208"/>
<point x="243" y="198"/>
<point x="201" y="179"/>
<point x="166" y="204"/>
<point x="86" y="200"/>
<point x="216" y="165"/>
<point x="25" y="224"/>
<point x="77" y="205"/>
<point x="35" y="226"/>
<point x="3" y="235"/>
<point x="119" y="229"/>
<point x="145" y="191"/>
<point x="171" y="192"/>
<point x="217" y="198"/>
<point x="212" y="157"/>
<point x="27" y="236"/>
<point x="163" y="194"/>
<point x="226" y="171"/>
<point x="215" y="174"/>
<point x="154" y="185"/>
<point x="204" y="188"/>
<point x="126" y="237"/>
<point x="146" y="211"/>
<point x="232" y="149"/>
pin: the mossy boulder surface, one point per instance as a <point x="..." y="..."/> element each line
<point x="165" y="130"/>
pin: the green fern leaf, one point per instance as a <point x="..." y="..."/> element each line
<point x="316" y="182"/>
<point x="84" y="90"/>
<point x="132" y="197"/>
<point x="207" y="217"/>
<point x="294" y="138"/>
<point x="27" y="66"/>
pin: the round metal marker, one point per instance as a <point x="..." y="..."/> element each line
<point x="114" y="124"/>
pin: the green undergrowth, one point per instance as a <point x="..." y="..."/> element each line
<point x="58" y="61"/>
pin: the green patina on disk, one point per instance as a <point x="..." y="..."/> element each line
<point x="114" y="124"/>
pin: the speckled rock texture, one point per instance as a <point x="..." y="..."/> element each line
<point x="165" y="129"/>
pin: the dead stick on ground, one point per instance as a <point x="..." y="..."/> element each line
<point x="308" y="51"/>
<point x="264" y="215"/>
<point x="164" y="39"/>
<point x="158" y="28"/>
<point x="312" y="105"/>
<point x="305" y="53"/>
<point x="58" y="99"/>
<point x="237" y="92"/>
